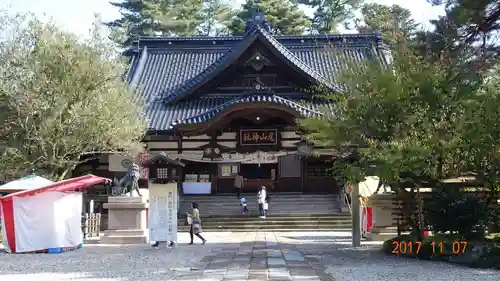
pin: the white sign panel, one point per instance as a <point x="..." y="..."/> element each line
<point x="162" y="218"/>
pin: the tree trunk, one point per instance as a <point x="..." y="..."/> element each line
<point x="64" y="173"/>
<point x="420" y="214"/>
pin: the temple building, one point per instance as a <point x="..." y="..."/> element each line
<point x="229" y="105"/>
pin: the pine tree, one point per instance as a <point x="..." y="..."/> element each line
<point x="394" y="22"/>
<point x="329" y="14"/>
<point x="132" y="23"/>
<point x="284" y="16"/>
<point x="216" y="17"/>
<point x="175" y="17"/>
<point x="469" y="31"/>
<point x="156" y="17"/>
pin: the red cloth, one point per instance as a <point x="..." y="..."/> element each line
<point x="426" y="232"/>
<point x="368" y="218"/>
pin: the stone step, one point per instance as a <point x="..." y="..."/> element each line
<point x="115" y="239"/>
<point x="255" y="219"/>
<point x="271" y="209"/>
<point x="253" y="203"/>
<point x="255" y="213"/>
<point x="291" y="206"/>
<point x="303" y="222"/>
<point x="239" y="216"/>
<point x="125" y="232"/>
<point x="266" y="222"/>
<point x="274" y="225"/>
<point x="280" y="205"/>
<point x="254" y="199"/>
<point x="186" y="229"/>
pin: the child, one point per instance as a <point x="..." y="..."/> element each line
<point x="244" y="207"/>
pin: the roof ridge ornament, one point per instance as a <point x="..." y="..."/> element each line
<point x="258" y="19"/>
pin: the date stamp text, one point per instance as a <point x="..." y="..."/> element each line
<point x="438" y="248"/>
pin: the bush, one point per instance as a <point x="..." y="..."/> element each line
<point x="469" y="214"/>
<point x="490" y="259"/>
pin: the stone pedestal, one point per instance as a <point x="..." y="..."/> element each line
<point x="384" y="227"/>
<point x="126" y="220"/>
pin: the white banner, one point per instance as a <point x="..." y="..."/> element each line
<point x="162" y="217"/>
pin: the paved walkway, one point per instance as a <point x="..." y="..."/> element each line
<point x="234" y="256"/>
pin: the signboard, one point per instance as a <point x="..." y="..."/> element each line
<point x="259" y="137"/>
<point x="228" y="170"/>
<point x="162" y="216"/>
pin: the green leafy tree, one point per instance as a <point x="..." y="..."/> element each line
<point x="329" y="14"/>
<point x="62" y="99"/>
<point x="217" y="16"/>
<point x="406" y="123"/>
<point x="394" y="22"/>
<point x="285" y="17"/>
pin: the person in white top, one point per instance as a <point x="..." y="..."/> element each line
<point x="261" y="200"/>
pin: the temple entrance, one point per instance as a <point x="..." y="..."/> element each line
<point x="256" y="140"/>
<point x="257" y="175"/>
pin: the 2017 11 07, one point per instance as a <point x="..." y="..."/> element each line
<point x="438" y="247"/>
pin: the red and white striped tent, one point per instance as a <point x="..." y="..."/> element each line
<point x="44" y="218"/>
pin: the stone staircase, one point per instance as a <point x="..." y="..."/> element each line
<point x="287" y="212"/>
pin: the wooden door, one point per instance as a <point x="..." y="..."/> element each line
<point x="289" y="174"/>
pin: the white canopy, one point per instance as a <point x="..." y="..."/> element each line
<point x="28" y="182"/>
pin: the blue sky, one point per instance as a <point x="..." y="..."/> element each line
<point x="77" y="15"/>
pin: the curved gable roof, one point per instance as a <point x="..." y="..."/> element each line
<point x="305" y="111"/>
<point x="256" y="33"/>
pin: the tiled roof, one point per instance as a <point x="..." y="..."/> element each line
<point x="164" y="116"/>
<point x="164" y="69"/>
<point x="171" y="62"/>
<point x="257" y="32"/>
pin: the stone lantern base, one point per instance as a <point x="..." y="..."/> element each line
<point x="127" y="219"/>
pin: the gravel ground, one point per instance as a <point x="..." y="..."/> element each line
<point x="345" y="263"/>
<point x="141" y="263"/>
<point x="103" y="263"/>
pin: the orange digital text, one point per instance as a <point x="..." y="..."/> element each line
<point x="438" y="248"/>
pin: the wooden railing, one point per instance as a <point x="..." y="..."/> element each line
<point x="91" y="225"/>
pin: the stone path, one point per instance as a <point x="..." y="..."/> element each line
<point x="261" y="258"/>
<point x="235" y="257"/>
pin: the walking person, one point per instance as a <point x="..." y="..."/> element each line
<point x="244" y="206"/>
<point x="238" y="184"/>
<point x="261" y="200"/>
<point x="195" y="224"/>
